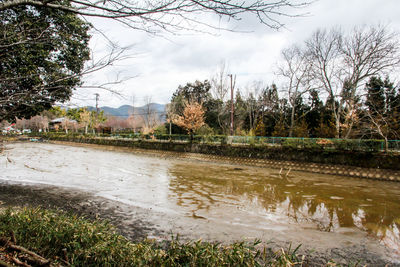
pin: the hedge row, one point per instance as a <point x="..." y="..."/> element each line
<point x="287" y="152"/>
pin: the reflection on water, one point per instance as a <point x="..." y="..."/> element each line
<point x="213" y="196"/>
<point x="328" y="203"/>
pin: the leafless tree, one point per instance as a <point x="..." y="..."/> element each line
<point x="377" y="123"/>
<point x="255" y="101"/>
<point x="219" y="82"/>
<point x="85" y="118"/>
<point x="220" y="86"/>
<point x="149" y="116"/>
<point x="132" y="120"/>
<point x="170" y="15"/>
<point x="342" y="62"/>
<point x="170" y="110"/>
<point x="153" y="16"/>
<point x="66" y="124"/>
<point x="295" y="69"/>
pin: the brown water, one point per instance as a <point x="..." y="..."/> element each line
<point x="220" y="200"/>
<point x="328" y="203"/>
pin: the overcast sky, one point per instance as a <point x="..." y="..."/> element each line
<point x="160" y="64"/>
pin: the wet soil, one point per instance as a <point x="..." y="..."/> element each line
<point x="142" y="213"/>
<point x="79" y="203"/>
<point x="92" y="207"/>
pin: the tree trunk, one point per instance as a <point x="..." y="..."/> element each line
<point x="191" y="136"/>
<point x="386" y="145"/>
<point x="337" y="125"/>
<point x="292" y="122"/>
<point x="349" y="130"/>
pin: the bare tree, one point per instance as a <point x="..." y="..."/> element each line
<point x="295" y="69"/>
<point x="220" y="86"/>
<point x="153" y="16"/>
<point x="132" y="120"/>
<point x="149" y="116"/>
<point x="255" y="102"/>
<point x="324" y="52"/>
<point x="367" y="52"/>
<point x="341" y="64"/>
<point x="85" y="118"/>
<point x="169" y="15"/>
<point x="219" y="82"/>
<point x="44" y="123"/>
<point x="170" y="110"/>
<point x="377" y="123"/>
<point x="66" y="123"/>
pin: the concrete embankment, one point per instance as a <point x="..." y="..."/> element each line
<point x="355" y="164"/>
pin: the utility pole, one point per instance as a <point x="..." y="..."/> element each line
<point x="97" y="102"/>
<point x="133" y="114"/>
<point x="97" y="110"/>
<point x="232" y="107"/>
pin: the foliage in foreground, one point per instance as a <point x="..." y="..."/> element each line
<point x="94" y="243"/>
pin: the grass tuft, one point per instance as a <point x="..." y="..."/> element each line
<point x="65" y="238"/>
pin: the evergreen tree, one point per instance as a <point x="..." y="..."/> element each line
<point x="314" y="116"/>
<point x="280" y="128"/>
<point x="260" y="128"/>
<point x="376" y="96"/>
<point x="301" y="129"/>
<point x="43" y="52"/>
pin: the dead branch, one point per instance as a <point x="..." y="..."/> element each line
<point x="18" y="262"/>
<point x="32" y="256"/>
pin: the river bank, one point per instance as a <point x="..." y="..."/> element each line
<point x="337" y="217"/>
<point x="368" y="165"/>
<point x="130" y="223"/>
<point x="283" y="166"/>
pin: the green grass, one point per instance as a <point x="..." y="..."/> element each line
<point x="96" y="243"/>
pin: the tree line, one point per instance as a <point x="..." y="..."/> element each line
<point x="336" y="84"/>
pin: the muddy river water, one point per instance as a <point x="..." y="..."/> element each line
<point x="222" y="202"/>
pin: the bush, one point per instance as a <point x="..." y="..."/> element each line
<point x="205" y="130"/>
<point x="160" y="130"/>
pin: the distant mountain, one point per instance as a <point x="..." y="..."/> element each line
<point x="126" y="110"/>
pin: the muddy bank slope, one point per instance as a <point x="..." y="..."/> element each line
<point x="134" y="222"/>
<point x="283" y="165"/>
<point x="155" y="197"/>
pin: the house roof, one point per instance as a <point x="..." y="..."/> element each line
<point x="59" y="120"/>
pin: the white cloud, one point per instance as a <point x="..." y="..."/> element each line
<point x="162" y="64"/>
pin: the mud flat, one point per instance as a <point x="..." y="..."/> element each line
<point x="148" y="196"/>
<point x="284" y="165"/>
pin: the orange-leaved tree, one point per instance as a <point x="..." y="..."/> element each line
<point x="192" y="118"/>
